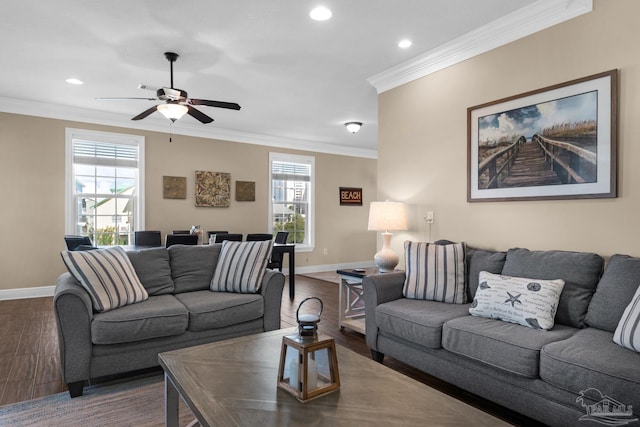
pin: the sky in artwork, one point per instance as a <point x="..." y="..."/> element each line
<point x="532" y="119"/>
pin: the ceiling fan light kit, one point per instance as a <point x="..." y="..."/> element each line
<point x="353" y="127"/>
<point x="173" y="112"/>
<point x="176" y="101"/>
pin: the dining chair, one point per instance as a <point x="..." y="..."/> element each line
<point x="147" y="238"/>
<point x="277" y="256"/>
<point x="220" y="237"/>
<point x="281" y="237"/>
<point x="181" y="239"/>
<point x="74" y="242"/>
<point x="254" y="237"/>
<point x="181" y="231"/>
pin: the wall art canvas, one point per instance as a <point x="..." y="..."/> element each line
<point x="245" y="191"/>
<point x="553" y="143"/>
<point x="174" y="187"/>
<point x="213" y="189"/>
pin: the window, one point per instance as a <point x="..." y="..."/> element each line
<point x="104" y="186"/>
<point x="291" y="195"/>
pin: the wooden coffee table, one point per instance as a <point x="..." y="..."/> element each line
<point x="234" y="383"/>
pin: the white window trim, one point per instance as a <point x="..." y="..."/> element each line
<point x="117" y="138"/>
<point x="294" y="158"/>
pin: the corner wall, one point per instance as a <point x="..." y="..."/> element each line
<point x="422" y="149"/>
<point x="32" y="171"/>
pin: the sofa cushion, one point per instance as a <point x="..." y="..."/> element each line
<point x="418" y="321"/>
<point x="527" y="302"/>
<point x="615" y="289"/>
<point x="211" y="310"/>
<point x="481" y="260"/>
<point x="241" y="266"/>
<point x="158" y="316"/>
<point x="107" y="275"/>
<point x="513" y="348"/>
<point x="153" y="269"/>
<point x="435" y="272"/>
<point x="590" y="359"/>
<point x="579" y="270"/>
<point x="192" y="266"/>
<point x="627" y="334"/>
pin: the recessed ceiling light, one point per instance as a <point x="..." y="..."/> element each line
<point x="404" y="43"/>
<point x="74" y="81"/>
<point x="320" y="13"/>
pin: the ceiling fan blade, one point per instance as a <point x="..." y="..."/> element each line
<point x="145" y="113"/>
<point x="125" y="99"/>
<point x="198" y="115"/>
<point x="219" y="104"/>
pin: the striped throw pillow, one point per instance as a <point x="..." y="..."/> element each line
<point x="435" y="272"/>
<point x="107" y="275"/>
<point x="241" y="266"/>
<point x="627" y="334"/>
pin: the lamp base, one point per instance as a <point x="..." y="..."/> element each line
<point x="386" y="260"/>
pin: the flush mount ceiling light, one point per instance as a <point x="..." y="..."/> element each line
<point x="404" y="43"/>
<point x="173" y="112"/>
<point x="353" y="127"/>
<point x="74" y="81"/>
<point x="320" y="13"/>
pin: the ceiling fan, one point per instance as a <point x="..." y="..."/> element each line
<point x="176" y="101"/>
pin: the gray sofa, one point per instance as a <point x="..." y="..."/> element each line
<point x="181" y="311"/>
<point x="555" y="376"/>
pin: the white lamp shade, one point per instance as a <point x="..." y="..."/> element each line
<point x="387" y="216"/>
<point x="173" y="112"/>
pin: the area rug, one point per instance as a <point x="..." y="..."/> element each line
<point x="138" y="402"/>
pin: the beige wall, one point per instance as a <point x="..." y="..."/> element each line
<point x="423" y="142"/>
<point x="33" y="175"/>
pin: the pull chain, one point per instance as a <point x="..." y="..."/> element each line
<point x="170" y="132"/>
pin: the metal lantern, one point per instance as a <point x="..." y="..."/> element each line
<point x="308" y="363"/>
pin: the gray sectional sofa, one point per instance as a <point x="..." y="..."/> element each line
<point x="181" y="311"/>
<point x="557" y="376"/>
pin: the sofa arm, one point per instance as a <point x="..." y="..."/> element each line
<point x="74" y="313"/>
<point x="378" y="289"/>
<point x="271" y="290"/>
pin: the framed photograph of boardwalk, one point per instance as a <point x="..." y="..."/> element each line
<point x="558" y="142"/>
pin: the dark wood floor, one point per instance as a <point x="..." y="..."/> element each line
<point x="29" y="359"/>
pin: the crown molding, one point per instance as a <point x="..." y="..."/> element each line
<point x="516" y="25"/>
<point x="157" y="124"/>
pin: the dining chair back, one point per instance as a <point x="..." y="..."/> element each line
<point x="254" y="237"/>
<point x="74" y="242"/>
<point x="147" y="238"/>
<point x="281" y="236"/>
<point x="181" y="231"/>
<point x="220" y="237"/>
<point x="181" y="239"/>
<point x="213" y="233"/>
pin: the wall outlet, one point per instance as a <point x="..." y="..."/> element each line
<point x="325" y="251"/>
<point x="429" y="217"/>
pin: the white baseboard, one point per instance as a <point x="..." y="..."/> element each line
<point x="47" y="291"/>
<point x="23" y="293"/>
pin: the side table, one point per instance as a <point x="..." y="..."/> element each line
<point x="351" y="299"/>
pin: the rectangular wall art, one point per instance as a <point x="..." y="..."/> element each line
<point x="213" y="189"/>
<point x="174" y="187"/>
<point x="553" y="143"/>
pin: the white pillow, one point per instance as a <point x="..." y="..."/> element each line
<point x="527" y="302"/>
<point x="627" y="334"/>
<point x="435" y="272"/>
<point x="107" y="275"/>
<point x="241" y="266"/>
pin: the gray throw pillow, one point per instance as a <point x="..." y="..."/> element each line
<point x="192" y="266"/>
<point x="481" y="260"/>
<point x="580" y="271"/>
<point x="616" y="288"/>
<point x="153" y="269"/>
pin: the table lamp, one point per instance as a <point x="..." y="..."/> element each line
<point x="386" y="216"/>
